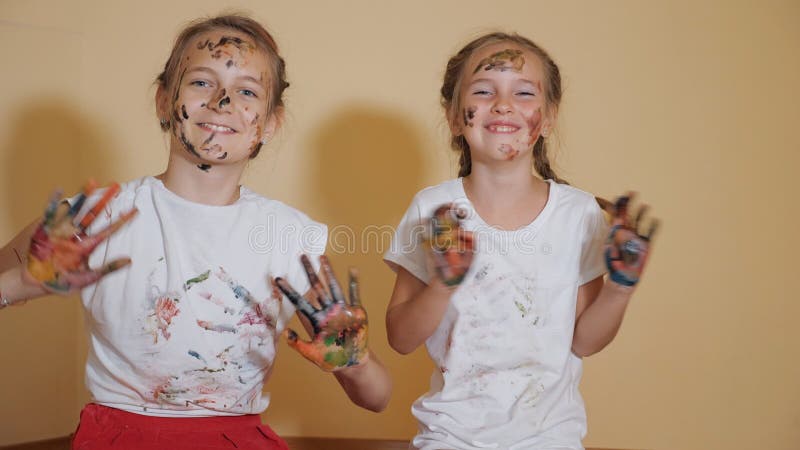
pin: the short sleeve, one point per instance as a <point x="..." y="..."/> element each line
<point x="596" y="231"/>
<point x="406" y="250"/>
<point x="303" y="237"/>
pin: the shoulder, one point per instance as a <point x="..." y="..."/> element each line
<point x="432" y="197"/>
<point x="275" y="209"/>
<point x="570" y="197"/>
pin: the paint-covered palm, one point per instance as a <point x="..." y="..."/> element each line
<point x="339" y="328"/>
<point x="59" y="251"/>
<point x="627" y="247"/>
<point x="451" y="247"/>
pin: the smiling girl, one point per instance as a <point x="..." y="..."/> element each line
<point x="184" y="322"/>
<point x="507" y="289"/>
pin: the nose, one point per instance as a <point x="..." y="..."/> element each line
<point x="220" y="101"/>
<point x="501" y="105"/>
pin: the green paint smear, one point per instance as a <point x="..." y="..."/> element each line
<point x="337" y="359"/>
<point x="198" y="279"/>
<point x="330" y="340"/>
<point x="520" y="308"/>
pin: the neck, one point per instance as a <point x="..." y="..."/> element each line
<point x="217" y="186"/>
<point x="498" y="183"/>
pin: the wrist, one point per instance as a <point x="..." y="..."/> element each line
<point x="15" y="288"/>
<point x="619" y="290"/>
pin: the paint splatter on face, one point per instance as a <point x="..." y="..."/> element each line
<point x="469" y="115"/>
<point x="509" y="151"/>
<point x="224" y="48"/>
<point x="220" y="102"/>
<point x="508" y="59"/>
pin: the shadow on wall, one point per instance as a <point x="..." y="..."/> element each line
<point x="366" y="165"/>
<point x="49" y="145"/>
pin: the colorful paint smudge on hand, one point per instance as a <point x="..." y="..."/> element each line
<point x="59" y="250"/>
<point x="451" y="247"/>
<point x="627" y="248"/>
<point x="340" y="329"/>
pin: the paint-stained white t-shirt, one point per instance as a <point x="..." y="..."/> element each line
<point x="505" y="376"/>
<point x="190" y="328"/>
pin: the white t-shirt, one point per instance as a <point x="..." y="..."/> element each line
<point x="190" y="327"/>
<point x="506" y="377"/>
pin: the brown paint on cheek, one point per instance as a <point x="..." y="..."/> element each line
<point x="183" y="112"/>
<point x="469" y="114"/>
<point x="508" y="59"/>
<point x="534" y="126"/>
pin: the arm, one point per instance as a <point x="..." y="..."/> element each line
<point x="368" y="385"/>
<point x="13" y="284"/>
<point x="601" y="307"/>
<point x="415" y="310"/>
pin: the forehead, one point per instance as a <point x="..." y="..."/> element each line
<point x="505" y="52"/>
<point x="223" y="45"/>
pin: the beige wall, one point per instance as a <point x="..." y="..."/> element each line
<point x="693" y="104"/>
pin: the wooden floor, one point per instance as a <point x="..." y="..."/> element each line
<point x="294" y="444"/>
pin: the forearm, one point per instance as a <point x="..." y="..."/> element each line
<point x="597" y="326"/>
<point x="368" y="385"/>
<point x="410" y="323"/>
<point x="15" y="289"/>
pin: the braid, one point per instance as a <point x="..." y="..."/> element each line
<point x="542" y="163"/>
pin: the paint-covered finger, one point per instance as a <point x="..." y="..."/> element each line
<point x="298" y="301"/>
<point x="305" y="348"/>
<point x="52" y="207"/>
<point x="654" y="225"/>
<point x="316" y="285"/>
<point x="110" y="192"/>
<point x="639" y="215"/>
<point x="89" y="243"/>
<point x="330" y="278"/>
<point x="355" y="295"/>
<point x="80" y="199"/>
<point x="621" y="208"/>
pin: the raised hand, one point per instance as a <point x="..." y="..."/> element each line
<point x="59" y="250"/>
<point x="339" y="329"/>
<point x="627" y="247"/>
<point x="450" y="247"/>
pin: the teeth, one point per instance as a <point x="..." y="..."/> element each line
<point x="217" y="128"/>
<point x="503" y="128"/>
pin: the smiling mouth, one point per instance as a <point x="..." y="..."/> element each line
<point x="214" y="128"/>
<point x="503" y="128"/>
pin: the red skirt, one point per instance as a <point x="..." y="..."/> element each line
<point x="102" y="427"/>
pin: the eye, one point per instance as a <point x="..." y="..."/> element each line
<point x="526" y="94"/>
<point x="482" y="92"/>
<point x="200" y="83"/>
<point x="248" y="93"/>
